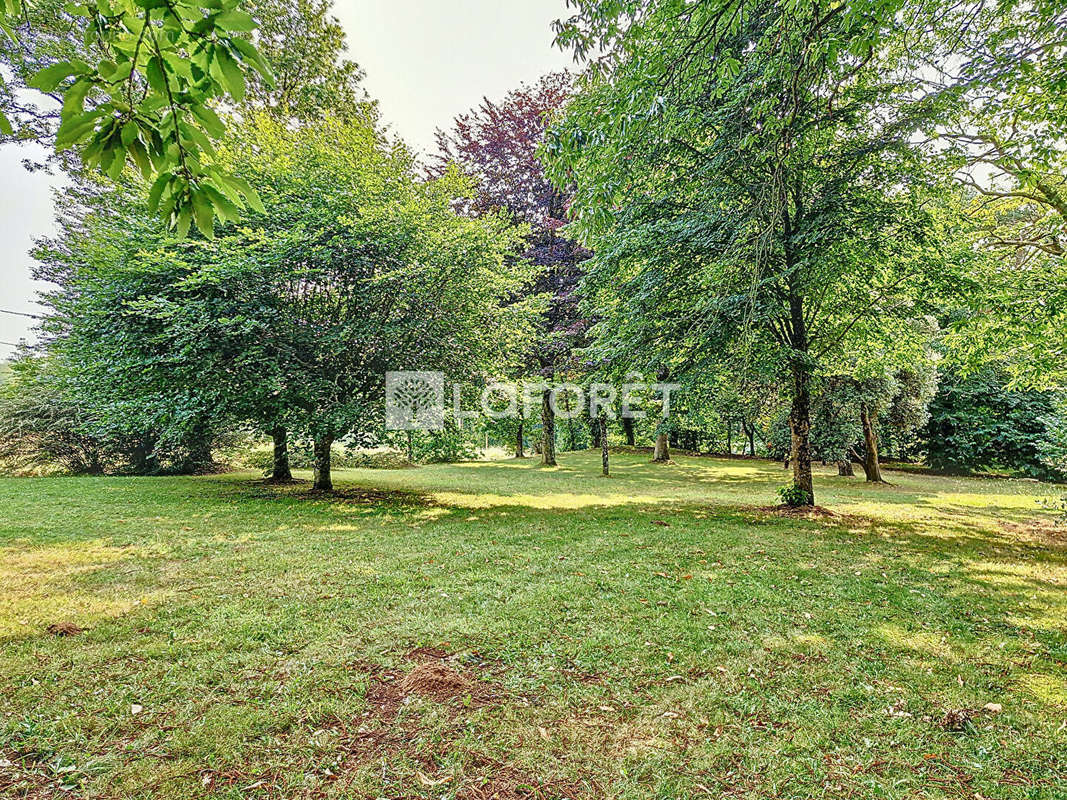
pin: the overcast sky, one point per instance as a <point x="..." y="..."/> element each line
<point x="426" y="61"/>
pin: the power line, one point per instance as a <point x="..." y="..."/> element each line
<point x="20" y="314"/>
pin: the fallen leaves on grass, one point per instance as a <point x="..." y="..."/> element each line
<point x="506" y="782"/>
<point x="798" y="511"/>
<point x="957" y="719"/>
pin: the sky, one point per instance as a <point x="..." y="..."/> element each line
<point x="426" y="61"/>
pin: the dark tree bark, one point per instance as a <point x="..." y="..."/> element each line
<point x="750" y="433"/>
<point x="280" y="470"/>
<point x="800" y="425"/>
<point x="844" y="468"/>
<point x="142" y="456"/>
<point x="603" y="433"/>
<point x="196" y="444"/>
<point x="871" y="467"/>
<point x="628" y="431"/>
<point x="323" y="479"/>
<point x="520" y="448"/>
<point x="548" y="430"/>
<point x="662" y="451"/>
<point x="729" y="438"/>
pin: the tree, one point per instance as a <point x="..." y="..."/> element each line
<point x="117" y="368"/>
<point x="1001" y="128"/>
<point x="748" y="178"/>
<point x="138" y="83"/>
<point x="288" y="323"/>
<point x="977" y="422"/>
<point x="497" y="145"/>
<point x="372" y="269"/>
<point x="40" y="426"/>
<point x="908" y="409"/>
<point x="304" y="44"/>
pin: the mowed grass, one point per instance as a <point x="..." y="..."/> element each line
<point x="651" y="635"/>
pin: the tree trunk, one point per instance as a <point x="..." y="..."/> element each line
<point x="411" y="446"/>
<point x="663" y="450"/>
<point x="628" y="431"/>
<point x="280" y="471"/>
<point x="571" y="440"/>
<point x="142" y="456"/>
<point x="197" y="446"/>
<point x="870" y="440"/>
<point x="800" y="425"/>
<point x="844" y="468"/>
<point x="750" y="432"/>
<point x="603" y="444"/>
<point x="548" y="430"/>
<point x="323" y="480"/>
<point x="520" y="451"/>
<point x="729" y="438"/>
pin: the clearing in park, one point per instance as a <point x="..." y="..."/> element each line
<point x="500" y="630"/>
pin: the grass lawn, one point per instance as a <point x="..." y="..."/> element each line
<point x="503" y="630"/>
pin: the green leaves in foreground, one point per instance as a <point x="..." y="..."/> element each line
<point x="147" y="101"/>
<point x="214" y="194"/>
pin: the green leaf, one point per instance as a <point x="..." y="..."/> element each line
<point x="235" y="20"/>
<point x="154" y="72"/>
<point x="157" y="191"/>
<point x="50" y="77"/>
<point x="5" y="125"/>
<point x="251" y="55"/>
<point x="74" y="99"/>
<point x="212" y="124"/>
<point x="227" y="210"/>
<point x="250" y="194"/>
<point x="197" y="136"/>
<point x="204" y="213"/>
<point x="117" y="161"/>
<point x="130" y="132"/>
<point x="185" y="218"/>
<point x="233" y="78"/>
<point x="75" y="128"/>
<point x="140" y="158"/>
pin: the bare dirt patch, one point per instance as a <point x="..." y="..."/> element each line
<point x="64" y="629"/>
<point x="436" y="681"/>
<point x="437" y="676"/>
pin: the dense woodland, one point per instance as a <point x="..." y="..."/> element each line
<point x="841" y="228"/>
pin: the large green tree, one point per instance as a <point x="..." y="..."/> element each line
<point x="749" y="177"/>
<point x="287" y="323"/>
<point x="373" y="269"/>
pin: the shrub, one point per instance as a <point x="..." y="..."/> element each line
<point x="795" y="496"/>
